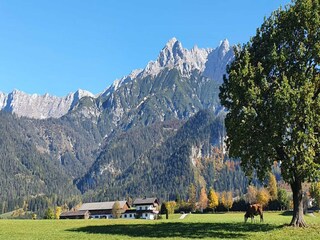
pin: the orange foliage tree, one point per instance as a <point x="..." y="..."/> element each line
<point x="203" y="200"/>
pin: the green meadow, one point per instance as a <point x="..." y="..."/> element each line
<point x="194" y="226"/>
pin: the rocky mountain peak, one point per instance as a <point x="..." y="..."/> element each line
<point x="39" y="106"/>
<point x="225" y="45"/>
<point x="171" y="53"/>
<point x="217" y="61"/>
<point x="209" y="62"/>
<point x="173" y="42"/>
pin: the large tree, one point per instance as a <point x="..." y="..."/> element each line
<point x="271" y="93"/>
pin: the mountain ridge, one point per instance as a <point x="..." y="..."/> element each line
<point x="40" y="106"/>
<point x="209" y="62"/>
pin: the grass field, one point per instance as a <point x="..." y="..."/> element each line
<point x="202" y="226"/>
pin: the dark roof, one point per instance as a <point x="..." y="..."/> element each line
<point x="101" y="205"/>
<point x="74" y="213"/>
<point x="145" y="201"/>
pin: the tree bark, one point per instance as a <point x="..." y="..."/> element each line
<point x="297" y="219"/>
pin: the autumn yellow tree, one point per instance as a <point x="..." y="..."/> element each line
<point x="57" y="212"/>
<point x="170" y="206"/>
<point x="222" y="198"/>
<point x="203" y="200"/>
<point x="252" y="194"/>
<point x="213" y="199"/>
<point x="228" y="200"/>
<point x="263" y="196"/>
<point x="272" y="187"/>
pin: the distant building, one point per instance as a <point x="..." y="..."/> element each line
<point x="82" y="214"/>
<point x="102" y="209"/>
<point x="146" y="207"/>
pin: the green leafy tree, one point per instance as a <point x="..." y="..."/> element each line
<point x="272" y="187"/>
<point x="163" y="208"/>
<point x="283" y="199"/>
<point x="213" y="199"/>
<point x="315" y="192"/>
<point x="34" y="216"/>
<point x="272" y="97"/>
<point x="49" y="214"/>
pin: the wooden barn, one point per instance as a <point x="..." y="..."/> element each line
<point x="102" y="209"/>
<point x="82" y="214"/>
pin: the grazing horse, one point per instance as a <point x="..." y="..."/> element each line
<point x="254" y="210"/>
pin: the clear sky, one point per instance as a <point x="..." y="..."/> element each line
<point x="59" y="46"/>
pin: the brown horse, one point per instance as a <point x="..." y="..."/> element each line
<point x="254" y="210"/>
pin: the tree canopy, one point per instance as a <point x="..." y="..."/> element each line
<point x="271" y="93"/>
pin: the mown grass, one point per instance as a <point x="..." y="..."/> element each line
<point x="194" y="226"/>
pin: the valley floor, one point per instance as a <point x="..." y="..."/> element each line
<point x="193" y="226"/>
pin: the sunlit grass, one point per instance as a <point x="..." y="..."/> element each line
<point x="194" y="226"/>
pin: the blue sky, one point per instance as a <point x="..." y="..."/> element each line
<point x="60" y="46"/>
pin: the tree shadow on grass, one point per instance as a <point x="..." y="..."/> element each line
<point x="181" y="230"/>
<point x="287" y="213"/>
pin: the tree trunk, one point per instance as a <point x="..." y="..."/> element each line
<point x="297" y="219"/>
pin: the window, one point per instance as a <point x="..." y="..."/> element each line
<point x="125" y="216"/>
<point x="131" y="215"/>
<point x="146" y="208"/>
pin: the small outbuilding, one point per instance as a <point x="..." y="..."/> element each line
<point x="81" y="214"/>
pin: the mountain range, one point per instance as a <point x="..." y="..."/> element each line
<point x="208" y="62"/>
<point x="152" y="132"/>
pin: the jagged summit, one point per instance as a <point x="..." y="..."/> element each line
<point x="210" y="62"/>
<point x="171" y="53"/>
<point x="225" y="44"/>
<point x="217" y="61"/>
<point x="171" y="43"/>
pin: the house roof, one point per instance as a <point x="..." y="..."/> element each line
<point x="100" y="205"/>
<point x="74" y="213"/>
<point x="145" y="201"/>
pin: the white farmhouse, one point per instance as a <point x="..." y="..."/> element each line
<point x="146" y="208"/>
